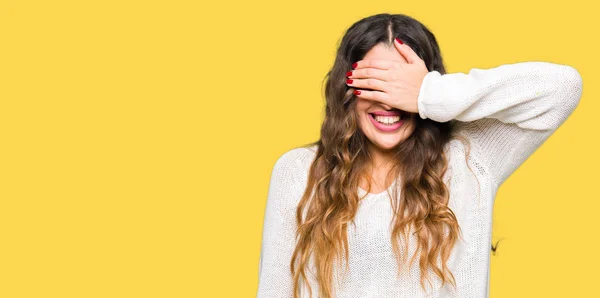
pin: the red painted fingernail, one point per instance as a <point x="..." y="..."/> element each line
<point x="349" y="81"/>
<point x="354" y="65"/>
<point x="357" y="92"/>
<point x="348" y="73"/>
<point x="398" y="39"/>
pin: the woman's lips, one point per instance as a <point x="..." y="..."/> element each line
<point x="384" y="127"/>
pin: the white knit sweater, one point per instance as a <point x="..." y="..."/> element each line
<point x="506" y="112"/>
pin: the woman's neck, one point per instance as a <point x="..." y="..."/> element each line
<point x="378" y="168"/>
<point x="381" y="160"/>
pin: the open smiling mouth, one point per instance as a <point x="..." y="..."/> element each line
<point x="387" y="123"/>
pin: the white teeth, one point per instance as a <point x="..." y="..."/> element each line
<point x="387" y="119"/>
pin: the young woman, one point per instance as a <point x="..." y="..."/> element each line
<point x="395" y="198"/>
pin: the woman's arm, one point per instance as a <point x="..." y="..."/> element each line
<point x="509" y="110"/>
<point x="278" y="238"/>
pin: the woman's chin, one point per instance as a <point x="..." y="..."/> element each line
<point x="386" y="144"/>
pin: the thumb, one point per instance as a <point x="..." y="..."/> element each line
<point x="406" y="51"/>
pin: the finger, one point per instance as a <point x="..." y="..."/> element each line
<point x="397" y="44"/>
<point x="408" y="53"/>
<point x="374" y="63"/>
<point x="373" y="95"/>
<point x="372" y="84"/>
<point x="369" y="72"/>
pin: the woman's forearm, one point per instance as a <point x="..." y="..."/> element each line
<point x="533" y="95"/>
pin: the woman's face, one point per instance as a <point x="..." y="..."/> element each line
<point x="384" y="136"/>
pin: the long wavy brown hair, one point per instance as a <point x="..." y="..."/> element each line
<point x="331" y="200"/>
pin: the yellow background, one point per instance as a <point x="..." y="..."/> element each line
<point x="137" y="139"/>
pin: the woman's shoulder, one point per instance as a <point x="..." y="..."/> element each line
<point x="298" y="158"/>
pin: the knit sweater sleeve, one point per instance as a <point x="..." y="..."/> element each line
<point x="507" y="111"/>
<point x="278" y="238"/>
